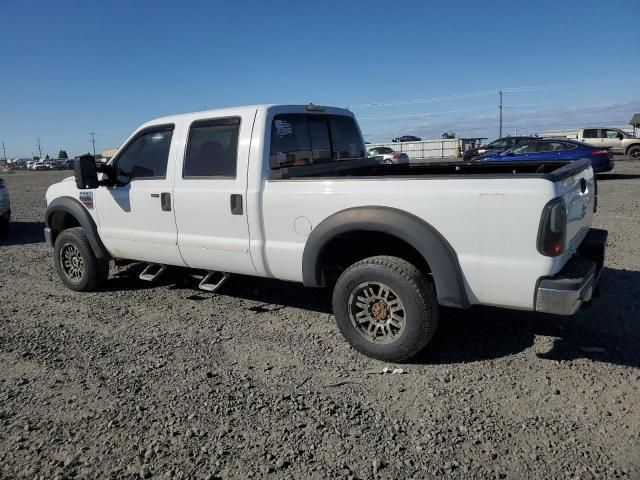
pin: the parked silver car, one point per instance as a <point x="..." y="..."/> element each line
<point x="387" y="155"/>
<point x="5" y="206"/>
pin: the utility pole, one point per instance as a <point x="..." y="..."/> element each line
<point x="500" y="107"/>
<point x="93" y="142"/>
<point x="4" y="152"/>
<point x="39" y="148"/>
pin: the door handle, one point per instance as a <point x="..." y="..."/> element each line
<point x="236" y="204"/>
<point x="165" y="201"/>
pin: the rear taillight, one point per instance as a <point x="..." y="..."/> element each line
<point x="396" y="156"/>
<point x="599" y="152"/>
<point x="553" y="228"/>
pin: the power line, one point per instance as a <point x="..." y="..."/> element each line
<point x="93" y="142"/>
<point x="4" y="152"/>
<point x="39" y="149"/>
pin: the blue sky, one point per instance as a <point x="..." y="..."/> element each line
<point x="424" y="67"/>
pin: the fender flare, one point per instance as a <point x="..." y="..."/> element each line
<point x="427" y="241"/>
<point x="74" y="208"/>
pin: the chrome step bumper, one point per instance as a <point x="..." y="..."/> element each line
<point x="565" y="292"/>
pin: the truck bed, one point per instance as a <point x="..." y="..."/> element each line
<point x="552" y="170"/>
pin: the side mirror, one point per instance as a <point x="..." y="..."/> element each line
<point x="620" y="136"/>
<point x="86" y="172"/>
<point x="508" y="154"/>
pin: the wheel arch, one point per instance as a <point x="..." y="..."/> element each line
<point x="433" y="248"/>
<point x="67" y="212"/>
<point x="633" y="145"/>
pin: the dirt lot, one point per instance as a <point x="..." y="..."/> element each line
<point x="164" y="381"/>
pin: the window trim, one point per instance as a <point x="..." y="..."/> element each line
<point x="165" y="127"/>
<point x="211" y="122"/>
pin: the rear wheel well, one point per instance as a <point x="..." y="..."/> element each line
<point x="633" y="145"/>
<point x="346" y="249"/>
<point x="61" y="221"/>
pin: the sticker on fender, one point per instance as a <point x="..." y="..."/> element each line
<point x="87" y="199"/>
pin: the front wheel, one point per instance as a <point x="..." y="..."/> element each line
<point x="385" y="308"/>
<point x="634" y="153"/>
<point x="76" y="264"/>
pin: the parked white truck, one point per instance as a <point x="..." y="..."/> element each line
<point x="619" y="141"/>
<point x="287" y="192"/>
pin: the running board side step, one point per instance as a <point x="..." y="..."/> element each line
<point x="152" y="271"/>
<point x="213" y="281"/>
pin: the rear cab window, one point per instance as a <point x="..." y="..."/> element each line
<point x="306" y="139"/>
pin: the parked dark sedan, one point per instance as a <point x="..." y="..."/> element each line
<point x="550" y="149"/>
<point x="499" y="145"/>
<point x="407" y="138"/>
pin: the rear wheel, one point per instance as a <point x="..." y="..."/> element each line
<point x="76" y="264"/>
<point x="385" y="308"/>
<point x="634" y="153"/>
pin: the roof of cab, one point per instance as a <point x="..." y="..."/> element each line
<point x="227" y="111"/>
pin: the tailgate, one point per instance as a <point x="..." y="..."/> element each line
<point x="579" y="193"/>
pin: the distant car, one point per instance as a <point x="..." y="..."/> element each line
<point x="407" y="138"/>
<point x="40" y="166"/>
<point x="68" y="164"/>
<point x="497" y="146"/>
<point x="388" y="155"/>
<point x="545" y="149"/>
<point x="30" y="164"/>
<point x="55" y="165"/>
<point x="5" y="206"/>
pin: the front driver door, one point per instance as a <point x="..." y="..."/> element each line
<point x="611" y="138"/>
<point x="136" y="216"/>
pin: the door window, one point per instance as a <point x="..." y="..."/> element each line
<point x="212" y="149"/>
<point x="610" y="134"/>
<point x="550" y="146"/>
<point x="525" y="148"/>
<point x="146" y="156"/>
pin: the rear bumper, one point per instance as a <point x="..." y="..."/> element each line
<point x="565" y="292"/>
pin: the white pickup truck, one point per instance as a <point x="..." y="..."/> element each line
<point x="288" y="192"/>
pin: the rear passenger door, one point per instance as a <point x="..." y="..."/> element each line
<point x="210" y="195"/>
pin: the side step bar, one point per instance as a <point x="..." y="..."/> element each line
<point x="213" y="281"/>
<point x="152" y="271"/>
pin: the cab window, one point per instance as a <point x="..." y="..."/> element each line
<point x="611" y="134"/>
<point x="146" y="156"/>
<point x="590" y="133"/>
<point x="303" y="139"/>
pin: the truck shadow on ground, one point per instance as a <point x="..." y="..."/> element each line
<point x="22" y="233"/>
<point x="605" y="331"/>
<point x="618" y="176"/>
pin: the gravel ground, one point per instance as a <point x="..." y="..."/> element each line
<point x="165" y="381"/>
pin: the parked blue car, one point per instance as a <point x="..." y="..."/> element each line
<point x="552" y="149"/>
